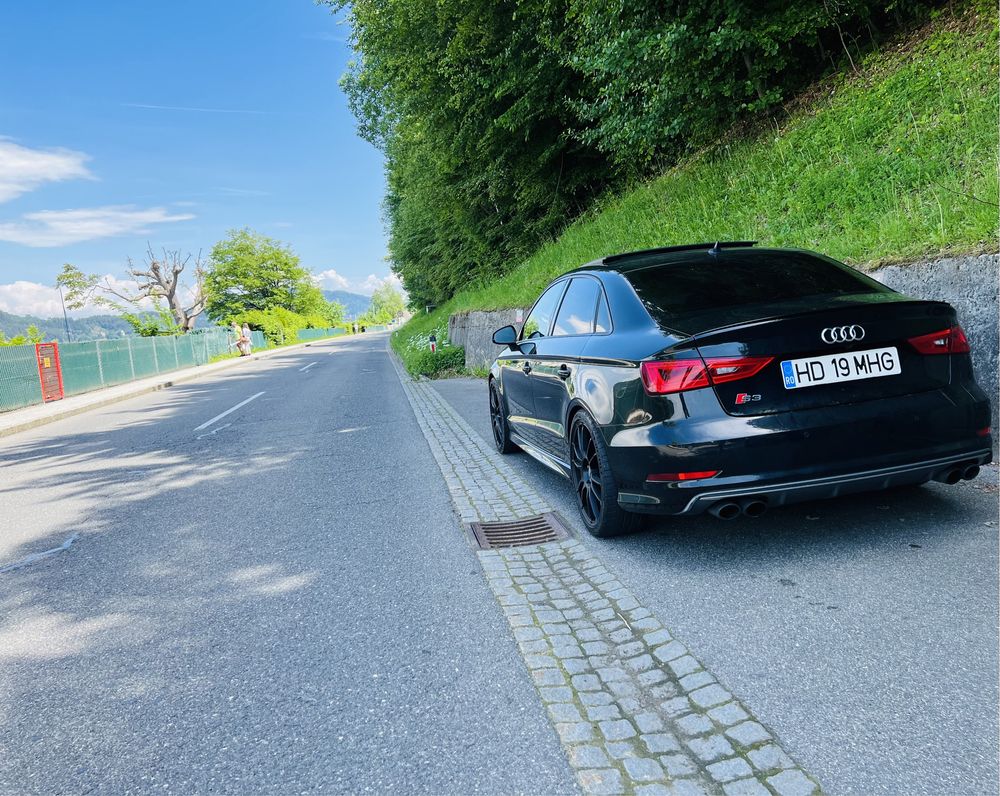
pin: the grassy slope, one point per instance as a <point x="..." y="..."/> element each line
<point x="891" y="163"/>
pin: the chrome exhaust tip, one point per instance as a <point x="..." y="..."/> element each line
<point x="726" y="510"/>
<point x="753" y="508"/>
<point x="970" y="472"/>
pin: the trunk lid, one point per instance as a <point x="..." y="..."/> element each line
<point x="861" y="339"/>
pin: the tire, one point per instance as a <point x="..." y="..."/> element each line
<point x="498" y="420"/>
<point x="594" y="483"/>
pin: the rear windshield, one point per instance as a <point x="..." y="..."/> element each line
<point x="740" y="279"/>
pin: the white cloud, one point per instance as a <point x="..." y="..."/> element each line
<point x="23" y="169"/>
<point x="332" y="280"/>
<point x="62" y="227"/>
<point x="32" y="298"/>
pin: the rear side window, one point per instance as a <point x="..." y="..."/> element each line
<point x="576" y="315"/>
<point x="719" y="282"/>
<point x="539" y="320"/>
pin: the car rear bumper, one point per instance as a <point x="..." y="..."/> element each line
<point x="803" y="455"/>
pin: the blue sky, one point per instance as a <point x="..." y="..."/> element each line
<point x="122" y="122"/>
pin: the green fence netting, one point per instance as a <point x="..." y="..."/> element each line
<point x="19" y="385"/>
<point x="104" y="363"/>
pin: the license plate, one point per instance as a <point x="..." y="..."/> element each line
<point x="833" y="368"/>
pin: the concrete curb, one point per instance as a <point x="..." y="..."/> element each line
<point x="122" y="392"/>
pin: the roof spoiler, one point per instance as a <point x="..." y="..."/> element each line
<point x="712" y="248"/>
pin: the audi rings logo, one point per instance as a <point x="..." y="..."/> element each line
<point x="843" y="334"/>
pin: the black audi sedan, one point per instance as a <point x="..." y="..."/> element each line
<point x="730" y="378"/>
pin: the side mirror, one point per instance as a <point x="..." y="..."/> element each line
<point x="506" y="336"/>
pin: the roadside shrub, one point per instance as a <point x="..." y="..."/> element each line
<point x="437" y="363"/>
<point x="278" y="325"/>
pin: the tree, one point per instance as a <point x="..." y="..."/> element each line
<point x="158" y="280"/>
<point x="248" y="271"/>
<point x="387" y="304"/>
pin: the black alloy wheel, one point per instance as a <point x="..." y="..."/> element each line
<point x="498" y="420"/>
<point x="596" y="490"/>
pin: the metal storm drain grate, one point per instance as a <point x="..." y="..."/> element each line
<point x="517" y="533"/>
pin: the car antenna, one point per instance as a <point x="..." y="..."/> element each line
<point x="715" y="249"/>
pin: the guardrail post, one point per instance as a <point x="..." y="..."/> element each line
<point x="131" y="362"/>
<point x="177" y="359"/>
<point x="100" y="366"/>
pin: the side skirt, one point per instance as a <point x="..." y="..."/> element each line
<point x="549" y="461"/>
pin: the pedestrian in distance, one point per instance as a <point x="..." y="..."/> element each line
<point x="246" y="346"/>
<point x="236" y="343"/>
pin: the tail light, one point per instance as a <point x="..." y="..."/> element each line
<point x="692" y="476"/>
<point x="678" y="375"/>
<point x="947" y="341"/>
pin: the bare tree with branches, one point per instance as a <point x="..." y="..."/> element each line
<point x="158" y="278"/>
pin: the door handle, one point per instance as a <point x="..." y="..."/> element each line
<point x="563" y="372"/>
<point x="526" y="368"/>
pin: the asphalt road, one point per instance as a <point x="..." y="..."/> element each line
<point x="862" y="630"/>
<point x="278" y="600"/>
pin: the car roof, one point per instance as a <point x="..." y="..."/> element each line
<point x="631" y="261"/>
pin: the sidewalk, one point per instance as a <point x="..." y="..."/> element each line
<point x="40" y="414"/>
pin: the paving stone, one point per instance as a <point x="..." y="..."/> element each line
<point x="745" y="787"/>
<point x="572" y="614"/>
<point x="596" y="698"/>
<point x="642" y="769"/>
<point x="612" y="674"/>
<point x="669" y="651"/>
<point x="642" y="663"/>
<point x="711" y="748"/>
<point x="586" y="682"/>
<point x="687" y="787"/>
<point x="678" y="765"/>
<point x="648" y="722"/>
<point x="728" y="715"/>
<point x="602" y="614"/>
<point x="748" y="733"/>
<point x="575" y="731"/>
<point x="684" y="665"/>
<point x="562" y="711"/>
<point x="575" y="665"/>
<point x="792" y="783"/>
<point x="710" y="696"/>
<point x="555" y="629"/>
<point x="601" y="781"/>
<point x="695" y="724"/>
<point x="527" y="633"/>
<point x="620" y="750"/>
<point x="520" y="620"/>
<point x="548" y="615"/>
<point x="548" y="677"/>
<point x="659" y="742"/>
<point x="639" y="613"/>
<point x="585" y="624"/>
<point x="603" y="712"/>
<point x="588" y="757"/>
<point x="540" y="661"/>
<point x="693" y="682"/>
<point x="651" y="677"/>
<point x="595" y="648"/>
<point x="622" y="688"/>
<point x="631" y="649"/>
<point x="654" y="789"/>
<point x="657" y="637"/>
<point x="627" y="603"/>
<point x="769" y="757"/>
<point x="617" y="730"/>
<point x="534" y="647"/>
<point x="612" y="624"/>
<point x="567" y="651"/>
<point x="647" y="625"/>
<point x="677" y="706"/>
<point x="560" y="693"/>
<point x="728" y="770"/>
<point x="629" y="704"/>
<point x="622" y="635"/>
<point x="529" y="588"/>
<point x="602" y="661"/>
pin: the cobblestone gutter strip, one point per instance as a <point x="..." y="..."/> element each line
<point x="634" y="709"/>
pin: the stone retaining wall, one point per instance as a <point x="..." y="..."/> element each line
<point x="968" y="283"/>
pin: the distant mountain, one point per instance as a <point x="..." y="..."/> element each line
<point x="354" y="303"/>
<point x="94" y="327"/>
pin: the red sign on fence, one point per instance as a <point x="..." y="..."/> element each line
<point x="49" y="371"/>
